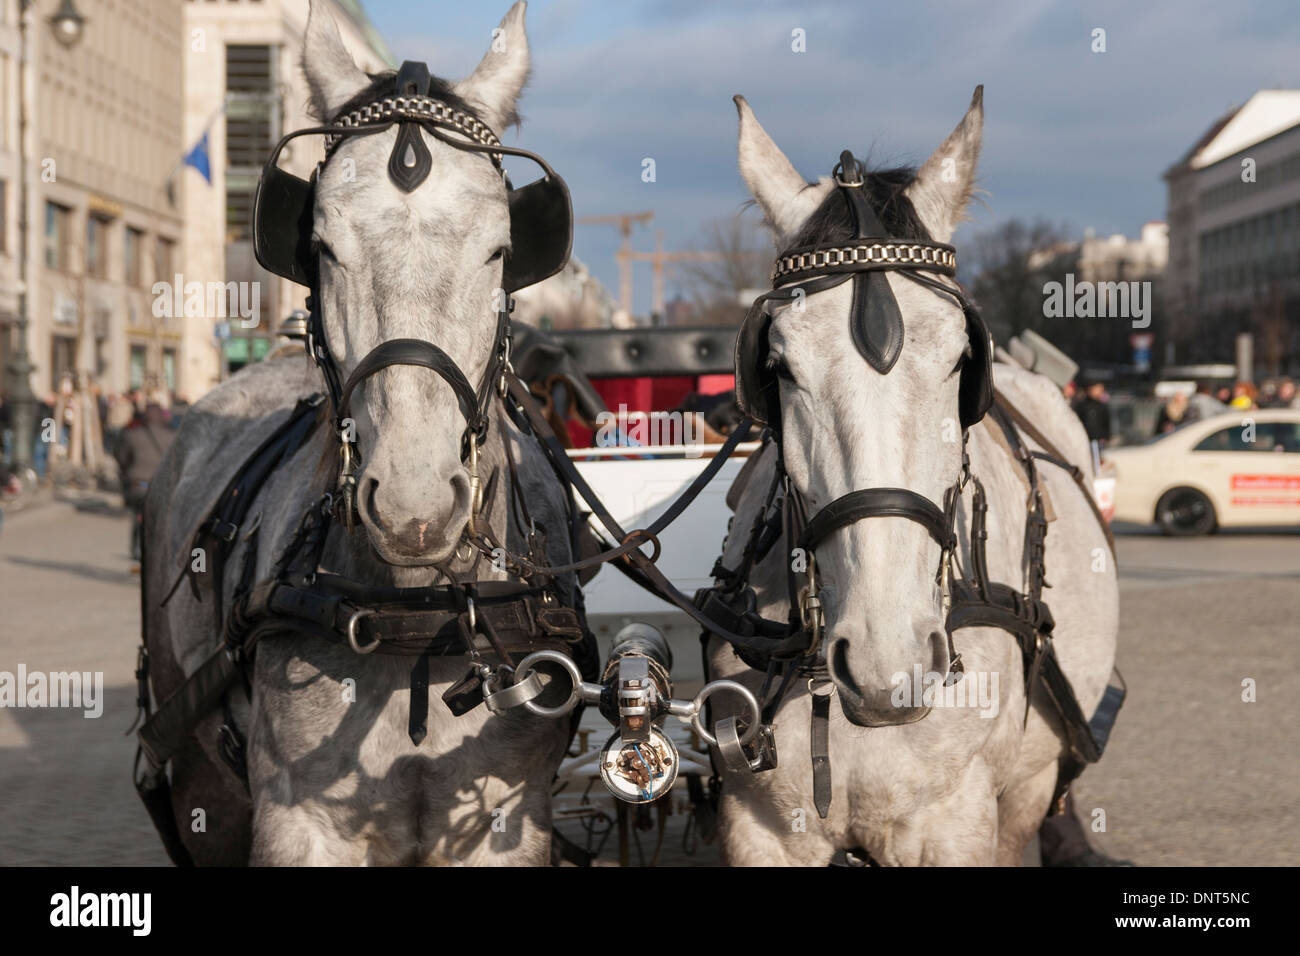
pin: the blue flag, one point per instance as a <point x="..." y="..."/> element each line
<point x="198" y="158"/>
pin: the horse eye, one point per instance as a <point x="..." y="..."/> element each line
<point x="967" y="353"/>
<point x="776" y="365"/>
<point x="499" y="254"/>
<point x="321" y="248"/>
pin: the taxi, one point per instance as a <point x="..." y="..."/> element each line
<point x="1240" y="467"/>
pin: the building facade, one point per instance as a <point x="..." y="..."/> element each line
<point x="1234" y="221"/>
<point x="104" y="131"/>
<point x="244" y="89"/>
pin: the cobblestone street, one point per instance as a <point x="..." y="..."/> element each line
<point x="68" y="601"/>
<point x="1192" y="776"/>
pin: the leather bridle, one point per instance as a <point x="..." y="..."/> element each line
<point x="474" y="403"/>
<point x="877" y="331"/>
<point x="541" y="236"/>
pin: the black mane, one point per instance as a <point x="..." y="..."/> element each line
<point x="884" y="188"/>
<point x="382" y="84"/>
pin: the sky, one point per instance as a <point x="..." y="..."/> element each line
<point x="1072" y="136"/>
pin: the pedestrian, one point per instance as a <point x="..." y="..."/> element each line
<point x="1286" y="394"/>
<point x="1062" y="841"/>
<point x="1244" y="396"/>
<point x="6" y="424"/>
<point x="1224" y="394"/>
<point x="1094" y="412"/>
<point x="139" y="455"/>
<point x="41" y="447"/>
<point x="1173" y="414"/>
<point x="180" y="405"/>
<point x="1203" y="404"/>
<point x="120" y="413"/>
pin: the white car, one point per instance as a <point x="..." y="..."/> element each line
<point x="1241" y="467"/>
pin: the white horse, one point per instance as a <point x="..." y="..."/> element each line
<point x="334" y="776"/>
<point x="941" y="785"/>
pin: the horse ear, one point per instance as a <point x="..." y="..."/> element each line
<point x="493" y="88"/>
<point x="786" y="198"/>
<point x="332" y="75"/>
<point x="945" y="183"/>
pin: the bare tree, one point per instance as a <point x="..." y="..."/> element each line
<point x="1009" y="265"/>
<point x="740" y="254"/>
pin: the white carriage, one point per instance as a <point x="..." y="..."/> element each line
<point x="638" y="483"/>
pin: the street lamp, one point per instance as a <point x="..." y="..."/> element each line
<point x="67" y="25"/>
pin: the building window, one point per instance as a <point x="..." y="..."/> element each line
<point x="63" y="358"/>
<point x="137" y="366"/>
<point x="97" y="228"/>
<point x="165" y="260"/>
<point x="169" y="369"/>
<point x="252" y="127"/>
<point x="132" y="250"/>
<point x="56" y="235"/>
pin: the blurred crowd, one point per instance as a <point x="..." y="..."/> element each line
<point x="1181" y="408"/>
<point x="116" y="413"/>
<point x="134" y="429"/>
<point x="1090" y="401"/>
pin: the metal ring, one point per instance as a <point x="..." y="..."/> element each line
<point x="575" y="676"/>
<point x="517" y="693"/>
<point x="818" y="681"/>
<point x="352" y="631"/>
<point x="644" y="533"/>
<point x="712" y="688"/>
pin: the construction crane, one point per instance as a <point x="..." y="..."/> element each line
<point x="659" y="258"/>
<point x="624" y="256"/>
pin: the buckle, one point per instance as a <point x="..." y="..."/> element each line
<point x="223" y="530"/>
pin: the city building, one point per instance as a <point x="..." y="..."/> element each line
<point x="1115" y="258"/>
<point x="1234" y="234"/>
<point x="103" y="133"/>
<point x="244" y="89"/>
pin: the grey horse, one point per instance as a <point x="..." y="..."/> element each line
<point x="333" y="777"/>
<point x="912" y="782"/>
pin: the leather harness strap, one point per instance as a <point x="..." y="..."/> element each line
<point x="416" y="352"/>
<point x="879" y="503"/>
<point x="820" y="748"/>
<point x="1057" y="458"/>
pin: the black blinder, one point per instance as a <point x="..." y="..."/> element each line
<point x="975" y="389"/>
<point x="541" y="232"/>
<point x="282" y="224"/>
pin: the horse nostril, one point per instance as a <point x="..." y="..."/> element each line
<point x="461" y="492"/>
<point x="839" y="663"/>
<point x="368" y="488"/>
